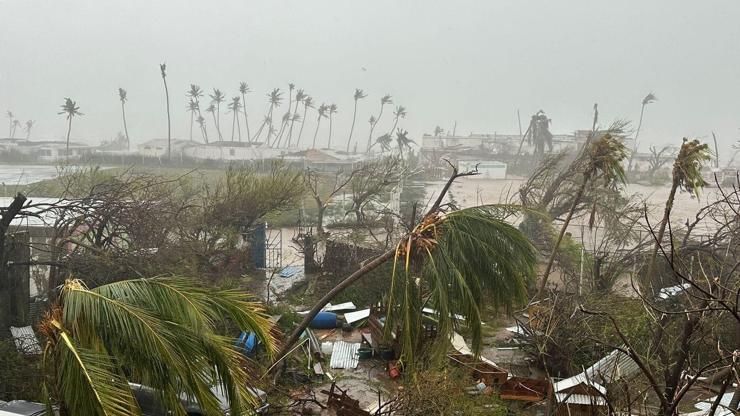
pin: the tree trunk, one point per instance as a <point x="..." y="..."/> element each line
<point x="192" y="117"/>
<point x="125" y="127"/>
<point x="352" y="129"/>
<point x="69" y="130"/>
<point x="650" y="276"/>
<point x="218" y="122"/>
<point x="361" y="272"/>
<point x="5" y="287"/>
<point x="246" y="120"/>
<point x="169" y="123"/>
<point x="303" y="122"/>
<point x="637" y="133"/>
<point x="550" y="262"/>
<point x="315" y="133"/>
<point x="331" y="122"/>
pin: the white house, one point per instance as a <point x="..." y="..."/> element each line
<point x="158" y="147"/>
<point x="233" y="151"/>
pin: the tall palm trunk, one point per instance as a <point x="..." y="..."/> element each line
<point x="637" y="133"/>
<point x="246" y="120"/>
<point x="292" y="122"/>
<point x="551" y="260"/>
<point x="328" y="146"/>
<point x="218" y="121"/>
<point x="303" y="123"/>
<point x="650" y="276"/>
<point x="269" y="127"/>
<point x="279" y="137"/>
<point x="125" y="127"/>
<point x="214" y="122"/>
<point x="203" y="128"/>
<point x="169" y="123"/>
<point x="352" y="129"/>
<point x="315" y="133"/>
<point x="69" y="130"/>
<point x="233" y="125"/>
<point x="372" y="128"/>
<point x="395" y="123"/>
<point x="192" y="118"/>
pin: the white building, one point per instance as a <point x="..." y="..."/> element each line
<point x="158" y="147"/>
<point x="234" y="151"/>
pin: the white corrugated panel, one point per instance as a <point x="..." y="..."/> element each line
<point x="25" y="340"/>
<point x="580" y="399"/>
<point x="344" y="355"/>
<point x="615" y="366"/>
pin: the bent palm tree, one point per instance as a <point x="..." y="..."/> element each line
<point x="602" y="162"/>
<point x="323" y="108"/>
<point x="244" y="89"/>
<point x="161" y="332"/>
<point x="332" y="111"/>
<point x="386" y="99"/>
<point x="359" y="94"/>
<point x="11" y="117"/>
<point x="275" y="98"/>
<point x="29" y="126"/>
<point x="650" y="98"/>
<point x="234" y="107"/>
<point x="194" y="93"/>
<point x="452" y="262"/>
<point x="307" y="103"/>
<point x="212" y="109"/>
<point x="217" y="98"/>
<point x="70" y="110"/>
<point x="16" y="124"/>
<point x="123" y="96"/>
<point x="403" y="141"/>
<point x="398" y="113"/>
<point x="299" y="97"/>
<point x="686" y="176"/>
<point x="163" y="71"/>
<point x="193" y="108"/>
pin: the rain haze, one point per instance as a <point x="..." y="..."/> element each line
<point x="470" y="62"/>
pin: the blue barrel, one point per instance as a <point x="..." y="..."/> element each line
<point x="324" y="320"/>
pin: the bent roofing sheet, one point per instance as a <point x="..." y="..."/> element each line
<point x="344" y="355"/>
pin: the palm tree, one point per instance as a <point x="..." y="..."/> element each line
<point x="332" y="111"/>
<point x="291" y="87"/>
<point x="218" y="97"/>
<point x="70" y="110"/>
<point x="438" y="131"/>
<point x="163" y="70"/>
<point x="650" y="98"/>
<point x="193" y="108"/>
<point x="194" y="93"/>
<point x="385" y="142"/>
<point x="398" y="113"/>
<point x="323" y="108"/>
<point x="602" y="162"/>
<point x="403" y="141"/>
<point x="453" y="262"/>
<point x="161" y="332"/>
<point x="123" y="96"/>
<point x="212" y="109"/>
<point x="299" y="97"/>
<point x="234" y="107"/>
<point x="16" y="124"/>
<point x="29" y="126"/>
<point x="283" y="125"/>
<point x="686" y="176"/>
<point x="359" y="94"/>
<point x="244" y="89"/>
<point x="386" y="99"/>
<point x="11" y="117"/>
<point x="275" y="97"/>
<point x="201" y="122"/>
<point x="307" y="103"/>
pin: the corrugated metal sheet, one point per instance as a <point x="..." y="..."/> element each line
<point x="25" y="340"/>
<point x="615" y="366"/>
<point x="344" y="355"/>
<point x="580" y="399"/>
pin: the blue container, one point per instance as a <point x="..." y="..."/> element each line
<point x="324" y="320"/>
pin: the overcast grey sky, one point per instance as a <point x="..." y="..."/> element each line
<point x="471" y="61"/>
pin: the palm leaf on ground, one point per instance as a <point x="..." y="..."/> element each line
<point x="162" y="332"/>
